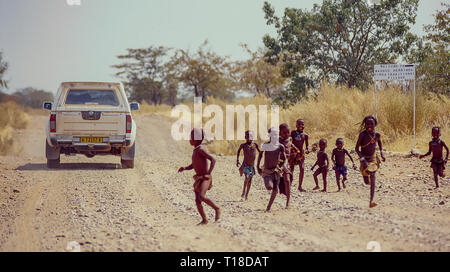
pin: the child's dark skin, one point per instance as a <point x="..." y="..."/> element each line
<point x="338" y="159"/>
<point x="250" y="149"/>
<point x="271" y="161"/>
<point x="323" y="163"/>
<point x="298" y="139"/>
<point x="436" y="147"/>
<point x="200" y="159"/>
<point x="285" y="141"/>
<point x="365" y="148"/>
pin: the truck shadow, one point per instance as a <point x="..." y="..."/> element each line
<point x="69" y="166"/>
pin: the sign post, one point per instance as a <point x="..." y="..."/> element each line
<point x="396" y="72"/>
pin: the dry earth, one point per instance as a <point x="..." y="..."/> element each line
<point x="151" y="208"/>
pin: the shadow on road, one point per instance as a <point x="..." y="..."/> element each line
<point x="69" y="166"/>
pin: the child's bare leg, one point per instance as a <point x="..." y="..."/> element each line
<point x="344" y="179"/>
<point x="338" y="177"/>
<point x="198" y="203"/>
<point x="372" y="190"/>
<point x="245" y="186"/>
<point x="316" y="180"/>
<point x="324" y="176"/>
<point x="436" y="175"/>
<point x="208" y="201"/>
<point x="273" y="195"/>
<point x="366" y="180"/>
<point x="287" y="189"/>
<point x="249" y="184"/>
<point x="300" y="175"/>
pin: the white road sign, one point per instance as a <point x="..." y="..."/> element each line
<point x="394" y="72"/>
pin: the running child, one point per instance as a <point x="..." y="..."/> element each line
<point x="202" y="177"/>
<point x="286" y="177"/>
<point x="298" y="139"/>
<point x="323" y="163"/>
<point x="366" y="150"/>
<point x="338" y="159"/>
<point x="272" y="151"/>
<point x="248" y="165"/>
<point x="436" y="147"/>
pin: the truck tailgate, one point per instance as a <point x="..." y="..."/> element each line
<point x="73" y="123"/>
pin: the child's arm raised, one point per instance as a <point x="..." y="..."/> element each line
<point x="237" y="159"/>
<point x="205" y="154"/>
<point x="380" y="146"/>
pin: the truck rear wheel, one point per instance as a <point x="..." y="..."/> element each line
<point x="53" y="163"/>
<point x="53" y="156"/>
<point x="127" y="163"/>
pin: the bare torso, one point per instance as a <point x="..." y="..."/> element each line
<point x="199" y="161"/>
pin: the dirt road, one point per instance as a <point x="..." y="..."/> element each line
<point x="151" y="208"/>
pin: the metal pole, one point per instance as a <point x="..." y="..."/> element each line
<point x="414" y="115"/>
<point x="375" y="97"/>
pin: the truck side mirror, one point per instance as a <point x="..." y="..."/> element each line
<point x="47" y="105"/>
<point x="134" y="106"/>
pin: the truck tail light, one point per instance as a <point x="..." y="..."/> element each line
<point x="128" y="124"/>
<point x="52" y="122"/>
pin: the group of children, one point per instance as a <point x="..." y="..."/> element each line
<point x="287" y="149"/>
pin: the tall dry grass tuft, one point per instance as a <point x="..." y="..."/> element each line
<point x="146" y="109"/>
<point x="335" y="112"/>
<point x="12" y="116"/>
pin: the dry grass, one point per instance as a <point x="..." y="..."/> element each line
<point x="337" y="112"/>
<point x="12" y="116"/>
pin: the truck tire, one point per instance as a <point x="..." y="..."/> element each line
<point x="53" y="156"/>
<point x="127" y="163"/>
<point x="127" y="157"/>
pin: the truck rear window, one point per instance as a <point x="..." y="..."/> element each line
<point x="95" y="97"/>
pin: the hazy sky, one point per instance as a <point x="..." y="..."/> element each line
<point x="48" y="41"/>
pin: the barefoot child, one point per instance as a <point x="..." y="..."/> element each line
<point x="286" y="178"/>
<point x="272" y="151"/>
<point x="202" y="178"/>
<point x="436" y="147"/>
<point x="248" y="166"/>
<point x="338" y="159"/>
<point x="298" y="139"/>
<point x="322" y="162"/>
<point x="366" y="150"/>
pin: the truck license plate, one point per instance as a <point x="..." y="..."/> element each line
<point x="91" y="139"/>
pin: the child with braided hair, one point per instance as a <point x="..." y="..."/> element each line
<point x="366" y="150"/>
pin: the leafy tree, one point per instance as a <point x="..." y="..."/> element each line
<point x="255" y="75"/>
<point x="204" y="72"/>
<point x="432" y="55"/>
<point x="146" y="75"/>
<point x="338" y="41"/>
<point x="3" y="68"/>
<point x="31" y="97"/>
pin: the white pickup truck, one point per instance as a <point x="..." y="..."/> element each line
<point x="90" y="118"/>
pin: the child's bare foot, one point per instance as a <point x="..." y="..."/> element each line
<point x="218" y="213"/>
<point x="324" y="191"/>
<point x="204" y="222"/>
<point x="316" y="188"/>
<point x="301" y="190"/>
<point x="373" y="204"/>
<point x="339" y="189"/>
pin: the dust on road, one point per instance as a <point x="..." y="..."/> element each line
<point x="151" y="207"/>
